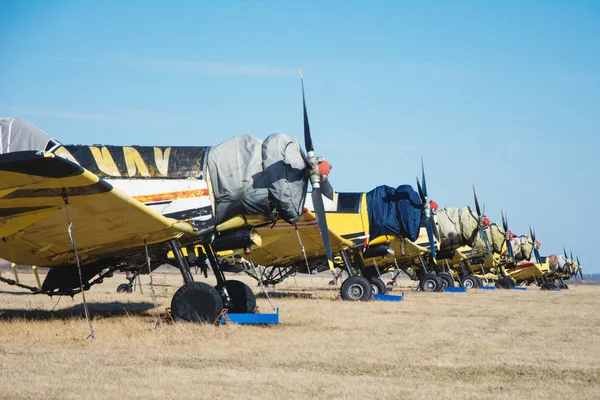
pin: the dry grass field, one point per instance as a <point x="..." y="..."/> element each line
<point x="481" y="344"/>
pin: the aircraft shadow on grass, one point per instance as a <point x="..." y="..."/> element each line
<point x="103" y="310"/>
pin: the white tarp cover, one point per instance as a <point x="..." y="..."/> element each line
<point x="495" y="235"/>
<point x="457" y="227"/>
<point x="19" y="135"/>
<point x="522" y="247"/>
<point x="557" y="260"/>
<point x="250" y="176"/>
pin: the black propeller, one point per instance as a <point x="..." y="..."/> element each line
<point x="316" y="180"/>
<point x="579" y="267"/>
<point x="511" y="254"/>
<point x="536" y="251"/>
<point x="566" y="257"/>
<point x="430" y="226"/>
<point x="481" y="226"/>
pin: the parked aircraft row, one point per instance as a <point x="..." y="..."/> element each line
<point x="86" y="212"/>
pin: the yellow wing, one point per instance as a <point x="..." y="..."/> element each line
<point x="33" y="218"/>
<point x="280" y="244"/>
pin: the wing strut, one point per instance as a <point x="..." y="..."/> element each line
<point x="70" y="231"/>
<point x="148" y="261"/>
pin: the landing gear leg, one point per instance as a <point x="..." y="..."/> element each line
<point x="127" y="287"/>
<point x="237" y="296"/>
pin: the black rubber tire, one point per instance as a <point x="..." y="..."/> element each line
<point x="377" y="285"/>
<point x="548" y="286"/>
<point x="469" y="282"/>
<point x="197" y="302"/>
<point x="356" y="288"/>
<point x="504" y="283"/>
<point x="124" y="288"/>
<point x="479" y="281"/>
<point x="243" y="298"/>
<point x="564" y="286"/>
<point x="430" y="283"/>
<point x="447" y="279"/>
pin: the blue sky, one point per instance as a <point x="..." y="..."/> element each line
<point x="502" y="95"/>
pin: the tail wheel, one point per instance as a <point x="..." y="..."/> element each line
<point x="469" y="282"/>
<point x="430" y="283"/>
<point x="242" y="297"/>
<point x="479" y="281"/>
<point x="124" y="288"/>
<point x="197" y="302"/>
<point x="377" y="285"/>
<point x="356" y="288"/>
<point x="447" y="279"/>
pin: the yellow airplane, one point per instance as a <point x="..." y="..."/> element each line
<point x="357" y="232"/>
<point x="88" y="211"/>
<point x="367" y="231"/>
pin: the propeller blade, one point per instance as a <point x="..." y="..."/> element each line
<point x="565" y="253"/>
<point x="509" y="248"/>
<point x="327" y="189"/>
<point x="315" y="180"/>
<point x="423" y="177"/>
<point x="436" y="232"/>
<point x="307" y="138"/>
<point x="476" y="203"/>
<point x="531" y="235"/>
<point x="420" y="190"/>
<point x="484" y="238"/>
<point x="322" y="221"/>
<point x="537" y="255"/>
<point x="429" y="227"/>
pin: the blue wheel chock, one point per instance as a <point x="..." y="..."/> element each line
<point x="487" y="287"/>
<point x="455" y="289"/>
<point x="519" y="288"/>
<point x="254" y="319"/>
<point x="388" y="297"/>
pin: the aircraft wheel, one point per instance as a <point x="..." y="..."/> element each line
<point x="356" y="288"/>
<point x="479" y="281"/>
<point x="504" y="283"/>
<point x="197" y="302"/>
<point x="124" y="288"/>
<point x="564" y="286"/>
<point x="242" y="297"/>
<point x="469" y="282"/>
<point x="548" y="286"/>
<point x="430" y="283"/>
<point x="378" y="285"/>
<point x="447" y="279"/>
